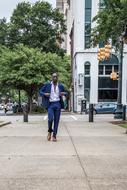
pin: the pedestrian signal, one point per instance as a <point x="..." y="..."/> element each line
<point x="114" y="76"/>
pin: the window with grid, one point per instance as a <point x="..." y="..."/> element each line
<point x="88" y="7"/>
<point x="87" y="80"/>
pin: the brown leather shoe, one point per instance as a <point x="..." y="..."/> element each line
<point x="54" y="139"/>
<point x="49" y="136"/>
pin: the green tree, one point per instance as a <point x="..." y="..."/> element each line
<point x="3" y="31"/>
<point x="38" y="26"/>
<point x="111" y="22"/>
<point x="27" y="69"/>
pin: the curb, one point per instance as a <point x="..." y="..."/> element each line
<point x="5" y="123"/>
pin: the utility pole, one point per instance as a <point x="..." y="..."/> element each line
<point x="119" y="110"/>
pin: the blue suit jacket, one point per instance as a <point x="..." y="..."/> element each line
<point x="47" y="89"/>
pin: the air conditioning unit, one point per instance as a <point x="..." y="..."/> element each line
<point x="80" y="79"/>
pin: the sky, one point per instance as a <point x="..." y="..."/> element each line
<point x="7" y="6"/>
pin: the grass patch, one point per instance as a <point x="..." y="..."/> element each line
<point x="120" y="123"/>
<point x="124" y="125"/>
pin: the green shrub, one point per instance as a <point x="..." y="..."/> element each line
<point x="38" y="109"/>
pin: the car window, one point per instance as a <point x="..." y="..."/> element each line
<point x="112" y="105"/>
<point x="105" y="105"/>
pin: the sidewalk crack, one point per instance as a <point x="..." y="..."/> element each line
<point x="80" y="162"/>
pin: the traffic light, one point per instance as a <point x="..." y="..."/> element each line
<point x="114" y="76"/>
<point x="104" y="53"/>
<point x="107" y="51"/>
<point x="101" y="54"/>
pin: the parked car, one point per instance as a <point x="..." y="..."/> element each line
<point x="104" y="108"/>
<point x="1" y="106"/>
<point x="9" y="106"/>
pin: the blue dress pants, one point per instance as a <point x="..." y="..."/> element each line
<point x="54" y="112"/>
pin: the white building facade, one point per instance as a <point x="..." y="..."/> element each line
<point x="91" y="80"/>
<point x="63" y="6"/>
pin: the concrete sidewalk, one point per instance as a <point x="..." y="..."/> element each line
<point x="87" y="156"/>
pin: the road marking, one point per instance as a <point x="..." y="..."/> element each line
<point x="74" y="117"/>
<point x="45" y="117"/>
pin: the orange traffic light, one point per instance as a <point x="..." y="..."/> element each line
<point x="107" y="51"/>
<point x="104" y="53"/>
<point x="99" y="54"/>
<point x="114" y="76"/>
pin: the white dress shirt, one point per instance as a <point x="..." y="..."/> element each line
<point x="55" y="94"/>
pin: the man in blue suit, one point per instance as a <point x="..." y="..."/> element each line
<point x="52" y="93"/>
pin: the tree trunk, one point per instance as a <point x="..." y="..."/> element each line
<point x="19" y="98"/>
<point x="30" y="103"/>
<point x="19" y="102"/>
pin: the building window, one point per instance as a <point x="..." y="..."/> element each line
<point x="107" y="89"/>
<point x="108" y="69"/>
<point x="107" y="95"/>
<point x="115" y="68"/>
<point x="107" y="83"/>
<point x="87" y="68"/>
<point x="88" y="7"/>
<point x="101" y="70"/>
<point x="87" y="81"/>
<point x="87" y="94"/>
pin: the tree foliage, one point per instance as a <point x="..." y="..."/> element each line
<point x="30" y="50"/>
<point x="111" y="22"/>
<point x="3" y="31"/>
<point x="38" y="26"/>
<point x="27" y="69"/>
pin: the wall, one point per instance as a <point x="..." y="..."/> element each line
<point x="80" y="56"/>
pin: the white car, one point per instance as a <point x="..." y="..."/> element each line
<point x="9" y="106"/>
<point x="1" y="106"/>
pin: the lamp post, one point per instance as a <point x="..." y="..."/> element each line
<point x="119" y="110"/>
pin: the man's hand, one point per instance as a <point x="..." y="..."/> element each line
<point x="47" y="94"/>
<point x="63" y="93"/>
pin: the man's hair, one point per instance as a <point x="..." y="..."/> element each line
<point x="54" y="73"/>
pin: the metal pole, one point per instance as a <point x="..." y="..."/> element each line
<point x="119" y="110"/>
<point x="124" y="113"/>
<point x="25" y="117"/>
<point x="81" y="106"/>
<point x="91" y="113"/>
<point x="25" y="113"/>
